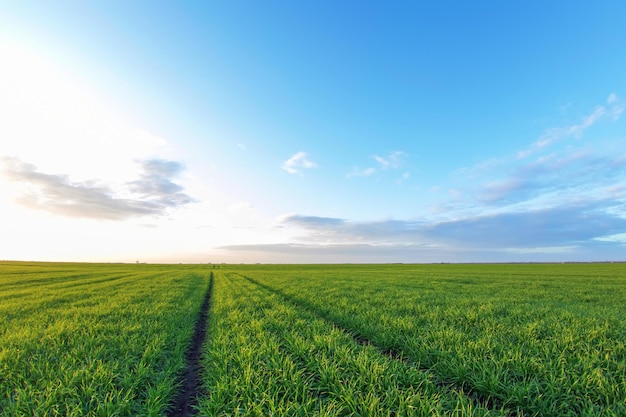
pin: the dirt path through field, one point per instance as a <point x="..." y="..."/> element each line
<point x="187" y="398"/>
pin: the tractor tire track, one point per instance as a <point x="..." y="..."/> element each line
<point x="489" y="402"/>
<point x="186" y="400"/>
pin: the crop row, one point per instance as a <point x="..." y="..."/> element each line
<point x="94" y="340"/>
<point x="267" y="356"/>
<point x="534" y="340"/>
<point x="314" y="340"/>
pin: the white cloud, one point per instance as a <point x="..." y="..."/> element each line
<point x="394" y="160"/>
<point x="69" y="160"/>
<point x="616" y="238"/>
<point x="64" y="151"/>
<point x="612" y="98"/>
<point x="297" y="162"/>
<point x="152" y="194"/>
<point x="384" y="164"/>
<point x="575" y="130"/>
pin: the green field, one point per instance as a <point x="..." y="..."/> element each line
<point x="315" y="340"/>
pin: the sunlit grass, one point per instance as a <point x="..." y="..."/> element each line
<point x="267" y="356"/>
<point x="537" y="339"/>
<point x="94" y="340"/>
<point x="315" y="340"/>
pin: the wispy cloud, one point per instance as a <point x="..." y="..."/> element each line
<point x="297" y="163"/>
<point x="612" y="108"/>
<point x="562" y="176"/>
<point x="152" y="194"/>
<point x="574" y="175"/>
<point x="391" y="161"/>
<point x="394" y="160"/>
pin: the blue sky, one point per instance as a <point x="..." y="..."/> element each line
<point x="313" y="131"/>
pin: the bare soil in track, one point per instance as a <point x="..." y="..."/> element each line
<point x="186" y="400"/>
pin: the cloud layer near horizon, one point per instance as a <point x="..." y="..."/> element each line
<point x="559" y="226"/>
<point x="555" y="231"/>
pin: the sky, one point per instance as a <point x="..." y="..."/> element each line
<point x="312" y="131"/>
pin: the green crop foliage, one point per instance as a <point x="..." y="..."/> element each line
<point x="94" y="340"/>
<point x="544" y="340"/>
<point x="266" y="356"/>
<point x="315" y="340"/>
